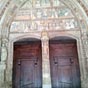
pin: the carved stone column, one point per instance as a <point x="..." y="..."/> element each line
<point x="46" y="78"/>
<point x="85" y="43"/>
<point x="3" y="62"/>
<point x="2" y="74"/>
<point x="85" y="63"/>
<point x="4" y="50"/>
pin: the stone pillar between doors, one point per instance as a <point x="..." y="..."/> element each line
<point x="46" y="77"/>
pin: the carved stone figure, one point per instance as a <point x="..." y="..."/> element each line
<point x="4" y="51"/>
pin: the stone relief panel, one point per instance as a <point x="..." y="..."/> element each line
<point x="40" y="25"/>
<point x="44" y="15"/>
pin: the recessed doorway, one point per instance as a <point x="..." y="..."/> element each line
<point x="64" y="64"/>
<point x="27" y="64"/>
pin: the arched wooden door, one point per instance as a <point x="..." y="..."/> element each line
<point x="64" y="64"/>
<point x="27" y="66"/>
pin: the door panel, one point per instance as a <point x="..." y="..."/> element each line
<point x="27" y="71"/>
<point x="64" y="65"/>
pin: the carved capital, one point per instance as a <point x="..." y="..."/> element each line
<point x="44" y="36"/>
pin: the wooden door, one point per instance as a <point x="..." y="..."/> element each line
<point x="64" y="65"/>
<point x="27" y="68"/>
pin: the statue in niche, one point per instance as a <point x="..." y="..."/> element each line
<point x="4" y="51"/>
<point x="45" y="38"/>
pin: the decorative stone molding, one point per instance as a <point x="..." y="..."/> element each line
<point x="84" y="5"/>
<point x="85" y="45"/>
<point x="49" y="25"/>
<point x="4" y="6"/>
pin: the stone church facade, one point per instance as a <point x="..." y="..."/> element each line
<point x="42" y="20"/>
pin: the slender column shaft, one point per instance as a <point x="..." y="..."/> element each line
<point x="46" y="78"/>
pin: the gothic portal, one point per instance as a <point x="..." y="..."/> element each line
<point x="43" y="44"/>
